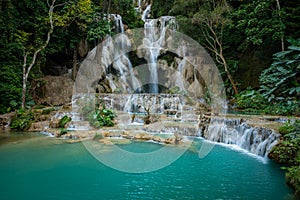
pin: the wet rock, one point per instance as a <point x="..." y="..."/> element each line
<point x="39" y="126"/>
<point x="142" y="136"/>
<point x="127" y="135"/>
<point x="54" y="124"/>
<point x="158" y="139"/>
<point x="73" y="141"/>
<point x="171" y="140"/>
<point x="5" y="121"/>
<point x="106" y="142"/>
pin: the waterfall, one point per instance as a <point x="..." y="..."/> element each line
<point x="121" y="61"/>
<point x="146" y="12"/>
<point x="119" y="28"/>
<point x="154" y="39"/>
<point x="256" y="140"/>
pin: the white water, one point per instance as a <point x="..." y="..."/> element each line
<point x="146" y="12"/>
<point x="154" y="38"/>
<point x="256" y="140"/>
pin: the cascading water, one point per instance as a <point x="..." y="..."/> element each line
<point x="112" y="54"/>
<point x="121" y="60"/>
<point x="154" y="38"/>
<point x="256" y="140"/>
<point x="143" y="7"/>
<point x="146" y="12"/>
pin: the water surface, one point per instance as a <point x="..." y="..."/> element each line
<point x="47" y="168"/>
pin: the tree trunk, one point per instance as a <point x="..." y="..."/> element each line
<point x="282" y="37"/>
<point x="74" y="71"/>
<point x="108" y="7"/>
<point x="24" y="88"/>
<point x="26" y="70"/>
<point x="229" y="75"/>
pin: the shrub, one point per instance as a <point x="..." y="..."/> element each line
<point x="63" y="121"/>
<point x="250" y="100"/>
<point x="22" y="120"/>
<point x="101" y="117"/>
<point x="293" y="178"/>
<point x="287" y="152"/>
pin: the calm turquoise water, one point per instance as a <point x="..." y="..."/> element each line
<point x="46" y="168"/>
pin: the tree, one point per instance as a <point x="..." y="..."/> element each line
<point x="279" y="14"/>
<point x="260" y="20"/>
<point x="31" y="52"/>
<point x="281" y="80"/>
<point x="212" y="21"/>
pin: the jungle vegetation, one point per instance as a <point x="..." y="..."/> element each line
<point x="255" y="43"/>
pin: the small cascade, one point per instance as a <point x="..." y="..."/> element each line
<point x="77" y="122"/>
<point x="146" y="12"/>
<point x="256" y="140"/>
<point x="159" y="104"/>
<point x="143" y="7"/>
<point x="119" y="27"/>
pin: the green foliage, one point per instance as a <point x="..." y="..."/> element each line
<point x="62" y="132"/>
<point x="10" y="88"/>
<point x="259" y="20"/>
<point x="287" y="128"/>
<point x="24" y="30"/>
<point x="281" y="80"/>
<point x="125" y="8"/>
<point x="98" y="30"/>
<point x="47" y="111"/>
<point x="161" y="8"/>
<point x="63" y="121"/>
<point x="250" y="100"/>
<point x="287" y="153"/>
<point x="101" y="117"/>
<point x="22" y="120"/>
<point x="97" y="114"/>
<point x="283" y="107"/>
<point x="280" y="85"/>
<point x="293" y="178"/>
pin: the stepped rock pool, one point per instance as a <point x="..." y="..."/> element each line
<point x="38" y="167"/>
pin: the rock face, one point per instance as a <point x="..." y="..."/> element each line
<point x="110" y="68"/>
<point x="53" y="90"/>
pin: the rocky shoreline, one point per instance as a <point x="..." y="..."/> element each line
<point x="165" y="129"/>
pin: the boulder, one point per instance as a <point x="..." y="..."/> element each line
<point x="55" y="90"/>
<point x="5" y="120"/>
